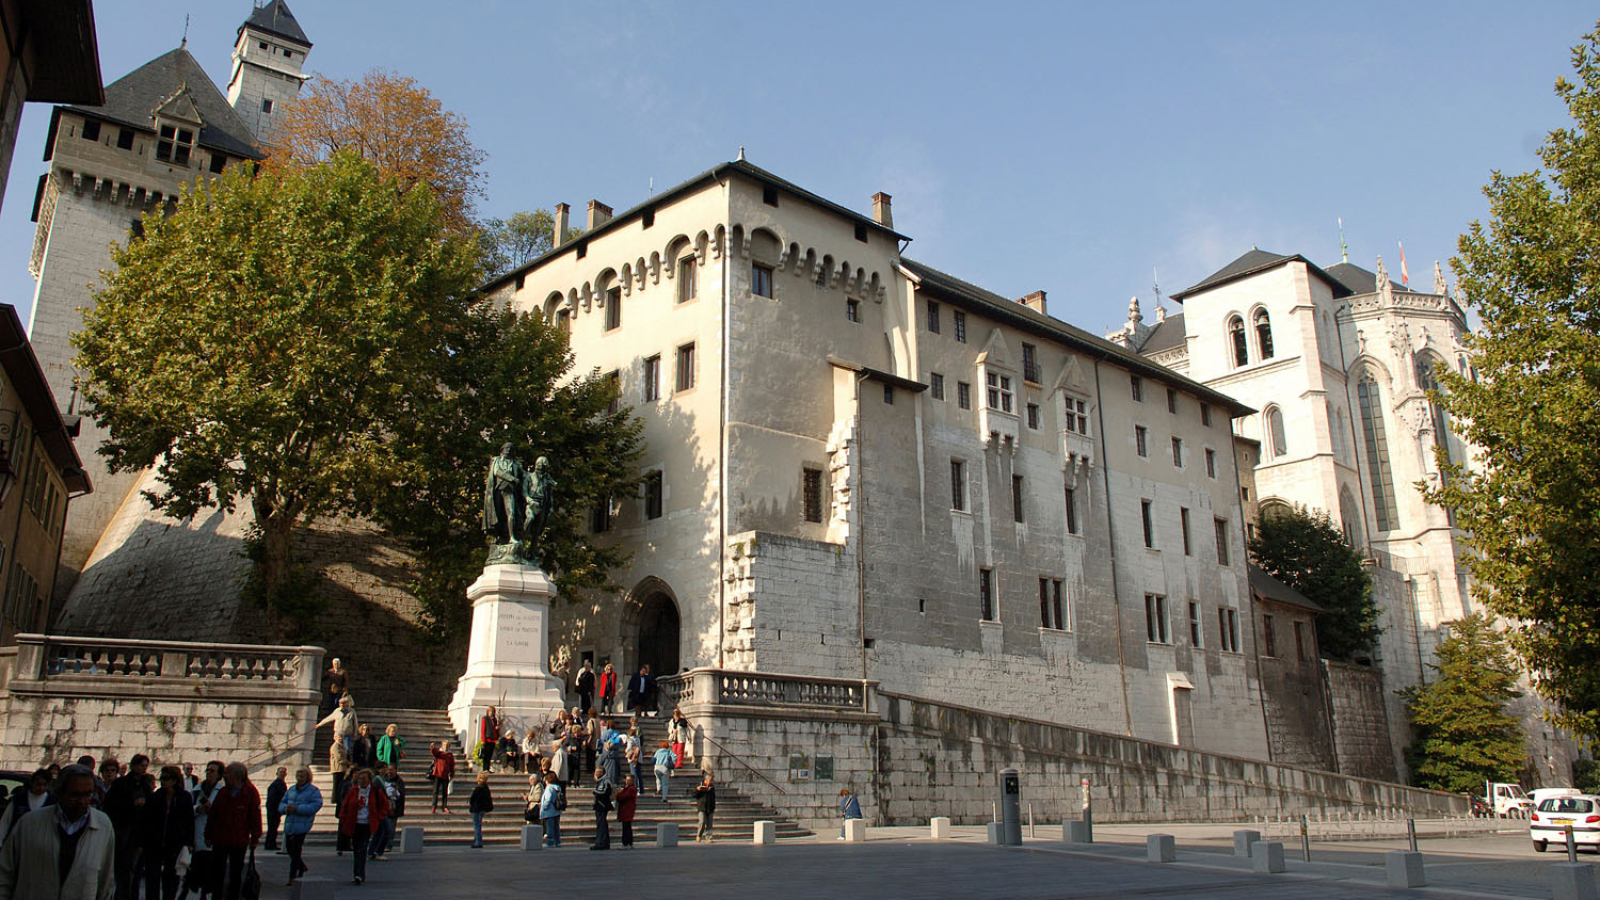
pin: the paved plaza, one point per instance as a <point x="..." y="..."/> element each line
<point x="902" y="862"/>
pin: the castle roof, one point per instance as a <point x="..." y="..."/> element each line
<point x="27" y="380"/>
<point x="133" y="99"/>
<point x="1166" y="335"/>
<point x="276" y="19"/>
<point x="1263" y="584"/>
<point x="1359" y="280"/>
<point x="1256" y="261"/>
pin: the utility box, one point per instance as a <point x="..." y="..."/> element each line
<point x="1010" y="807"/>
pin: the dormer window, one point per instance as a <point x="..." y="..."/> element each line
<point x="1000" y="392"/>
<point x="174" y="144"/>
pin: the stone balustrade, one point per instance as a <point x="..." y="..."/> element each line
<point x="796" y="693"/>
<point x="174" y="700"/>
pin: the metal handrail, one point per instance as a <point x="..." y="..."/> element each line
<point x="736" y="758"/>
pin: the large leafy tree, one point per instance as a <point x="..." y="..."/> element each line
<point x="522" y="238"/>
<point x="1307" y="552"/>
<point x="1464" y="736"/>
<point x="396" y="124"/>
<point x="1531" y="511"/>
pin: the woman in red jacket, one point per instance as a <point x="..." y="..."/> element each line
<point x="627" y="804"/>
<point x="608" y="689"/>
<point x="361" y="813"/>
<point x="444" y="769"/>
<point x="488" y="738"/>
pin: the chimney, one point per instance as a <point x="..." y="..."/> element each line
<point x="560" y="229"/>
<point x="1035" y="302"/>
<point x="881" y="213"/>
<point x="599" y="214"/>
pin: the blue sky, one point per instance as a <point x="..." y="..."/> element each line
<point x="1068" y="147"/>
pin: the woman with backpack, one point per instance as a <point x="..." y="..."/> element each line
<point x="551" y="805"/>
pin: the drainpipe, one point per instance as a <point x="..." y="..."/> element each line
<point x="860" y="531"/>
<point x="1111" y="539"/>
<point x="722" y="444"/>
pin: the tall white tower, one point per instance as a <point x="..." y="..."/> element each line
<point x="268" y="59"/>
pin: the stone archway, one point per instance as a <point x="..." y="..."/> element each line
<point x="652" y="629"/>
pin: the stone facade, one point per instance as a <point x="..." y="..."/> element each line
<point x="866" y="467"/>
<point x="1295" y="698"/>
<point x="1361" y="734"/>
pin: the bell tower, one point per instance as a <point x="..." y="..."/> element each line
<point x="269" y="59"/>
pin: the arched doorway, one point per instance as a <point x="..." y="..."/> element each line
<point x="657" y="634"/>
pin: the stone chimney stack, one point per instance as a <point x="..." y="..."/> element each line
<point x="563" y="211"/>
<point x="599" y="214"/>
<point x="1035" y="302"/>
<point x="881" y="213"/>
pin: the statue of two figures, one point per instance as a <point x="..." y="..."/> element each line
<point x="516" y="508"/>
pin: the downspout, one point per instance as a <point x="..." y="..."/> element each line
<point x="1111" y="540"/>
<point x="861" y="519"/>
<point x="1249" y="595"/>
<point x="722" y="444"/>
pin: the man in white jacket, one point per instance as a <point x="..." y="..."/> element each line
<point x="61" y="852"/>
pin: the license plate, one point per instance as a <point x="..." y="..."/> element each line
<point x="1562" y="821"/>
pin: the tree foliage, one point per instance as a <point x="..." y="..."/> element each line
<point x="1464" y="734"/>
<point x="1531" y="512"/>
<point x="1307" y="552"/>
<point x="524" y="237"/>
<point x="396" y="124"/>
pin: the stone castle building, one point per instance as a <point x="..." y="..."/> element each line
<point x="162" y="127"/>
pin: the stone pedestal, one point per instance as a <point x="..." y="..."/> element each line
<point x="667" y="834"/>
<point x="1077" y="831"/>
<point x="855" y="831"/>
<point x="411" y="839"/>
<point x="765" y="832"/>
<point x="1160" y="848"/>
<point x="1242" y="840"/>
<point x="1403" y="868"/>
<point x="939" y="828"/>
<point x="1266" y="857"/>
<point x="532" y="837"/>
<point x="508" y="656"/>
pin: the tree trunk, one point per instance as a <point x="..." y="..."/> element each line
<point x="274" y="563"/>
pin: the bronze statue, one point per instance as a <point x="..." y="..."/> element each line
<point x="516" y="508"/>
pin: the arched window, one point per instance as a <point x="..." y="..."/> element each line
<point x="1441" y="420"/>
<point x="1277" y="435"/>
<point x="1241" y="346"/>
<point x="1349" y="517"/>
<point x="1263" y="334"/>
<point x="1377" y="452"/>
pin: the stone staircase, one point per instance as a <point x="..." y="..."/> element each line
<point x="734" y="820"/>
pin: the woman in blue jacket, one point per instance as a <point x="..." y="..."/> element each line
<point x="299" y="808"/>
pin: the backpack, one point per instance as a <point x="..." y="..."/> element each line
<point x="561" y="800"/>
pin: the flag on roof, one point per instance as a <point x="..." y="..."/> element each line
<point x="1405" y="277"/>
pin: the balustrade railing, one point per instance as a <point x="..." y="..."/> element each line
<point x="763" y="689"/>
<point x="47" y="659"/>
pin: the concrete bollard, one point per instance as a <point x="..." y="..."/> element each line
<point x="532" y="837"/>
<point x="765" y="832"/>
<point x="1160" y="848"/>
<point x="855" y="831"/>
<point x="667" y="834"/>
<point x="996" y="833"/>
<point x="411" y="839"/>
<point x="939" y="828"/>
<point x="1076" y="831"/>
<point x="312" y="889"/>
<point x="1573" y="881"/>
<point x="1242" y="839"/>
<point x="1404" y="868"/>
<point x="1266" y="857"/>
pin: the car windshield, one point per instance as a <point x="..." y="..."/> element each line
<point x="1567" y="805"/>
<point x="1515" y="790"/>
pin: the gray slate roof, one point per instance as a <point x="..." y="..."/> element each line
<point x="1165" y="335"/>
<point x="1258" y="261"/>
<point x="275" y="19"/>
<point x="132" y="99"/>
<point x="1262" y="583"/>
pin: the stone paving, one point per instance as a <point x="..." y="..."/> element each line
<point x="902" y="862"/>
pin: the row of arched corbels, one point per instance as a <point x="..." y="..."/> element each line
<point x="760" y="244"/>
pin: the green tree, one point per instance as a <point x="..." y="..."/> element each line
<point x="1530" y="511"/>
<point x="526" y="236"/>
<point x="1305" y="551"/>
<point x="1464" y="736"/>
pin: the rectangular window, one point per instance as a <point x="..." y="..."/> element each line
<point x="1149" y="525"/>
<point x="1205" y="414"/>
<point x="1016" y="498"/>
<point x="688" y="278"/>
<point x="1228" y="628"/>
<point x="91" y="130"/>
<point x="124" y="138"/>
<point x="936" y="385"/>
<point x="613" y="308"/>
<point x="963" y="395"/>
<point x="852" y="310"/>
<point x="266" y="106"/>
<point x="1136" y="385"/>
<point x="761" y="280"/>
<point x="960" y="320"/>
<point x="600" y="516"/>
<point x="1194" y="624"/>
<point x="1177" y="452"/>
<point x="1072" y="511"/>
<point x="614" y="381"/>
<point x="1300" y="641"/>
<point x="1183" y="521"/>
<point x="648" y="220"/>
<point x="1211" y="463"/>
<point x="1033" y="416"/>
<point x="811" y="490"/>
<point x="1222" y="541"/>
<point x="652" y="379"/>
<point x="1045" y="620"/>
<point x="861" y="233"/>
<point x="174" y="144"/>
<point x="685" y="379"/>
<point x="652" y="495"/>
<point x="888" y="394"/>
<point x="999" y="392"/>
<point x="1269" y="637"/>
<point x="1155" y="619"/>
<point x="1063" y="620"/>
<point x="769" y="195"/>
<point x="1172" y="401"/>
<point x="1141" y="440"/>
<point x="933" y="317"/>
<point x="218" y="163"/>
<point x="958" y="484"/>
<point x="1030" y="364"/>
<point x="1078" y="416"/>
<point x="986" y="595"/>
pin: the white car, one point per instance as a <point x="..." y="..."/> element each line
<point x="1540" y="795"/>
<point x="1549" y="822"/>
